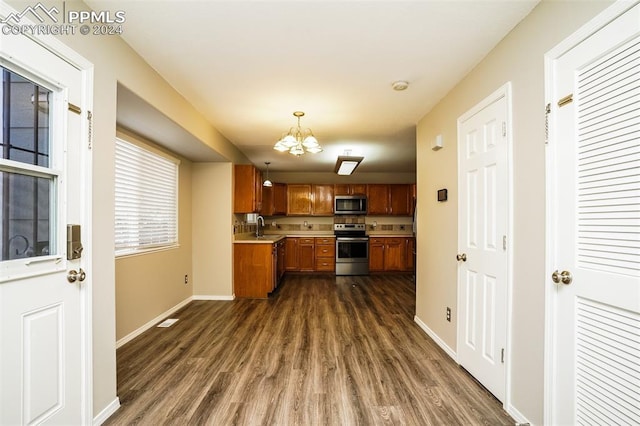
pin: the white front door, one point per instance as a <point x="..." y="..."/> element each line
<point x="482" y="241"/>
<point x="45" y="348"/>
<point x="594" y="226"/>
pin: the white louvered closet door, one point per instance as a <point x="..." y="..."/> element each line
<point x="596" y="137"/>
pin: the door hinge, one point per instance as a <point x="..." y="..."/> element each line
<point x="504" y="129"/>
<point x="90" y="129"/>
<point x="566" y="100"/>
<point x="504" y="242"/>
<point x="502" y="356"/>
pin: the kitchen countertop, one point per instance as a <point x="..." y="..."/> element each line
<point x="274" y="238"/>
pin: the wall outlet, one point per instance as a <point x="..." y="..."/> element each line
<point x="186" y="279"/>
<point x="448" y="314"/>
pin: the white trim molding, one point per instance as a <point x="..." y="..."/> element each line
<point x="212" y="297"/>
<point x="108" y="411"/>
<point x="436" y="338"/>
<point x="129" y="337"/>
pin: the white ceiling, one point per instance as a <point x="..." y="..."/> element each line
<point x="247" y="65"/>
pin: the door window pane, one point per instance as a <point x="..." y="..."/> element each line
<point x="26" y="212"/>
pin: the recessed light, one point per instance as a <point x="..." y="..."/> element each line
<point x="400" y="85"/>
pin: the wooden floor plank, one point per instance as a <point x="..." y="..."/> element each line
<point x="323" y="350"/>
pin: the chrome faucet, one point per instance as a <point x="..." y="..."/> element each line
<point x="259" y="226"/>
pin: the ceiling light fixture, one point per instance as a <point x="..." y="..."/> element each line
<point x="267" y="182"/>
<point x="346" y="164"/>
<point x="298" y="141"/>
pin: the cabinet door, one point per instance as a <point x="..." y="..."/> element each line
<point x="279" y="199"/>
<point x="291" y="255"/>
<point x="307" y="255"/>
<point x="257" y="191"/>
<point x="322" y="200"/>
<point x="299" y="200"/>
<point x="341" y="189"/>
<point x="400" y="200"/>
<point x="394" y="258"/>
<point x="358" y="189"/>
<point x="267" y="201"/>
<point x="409" y="261"/>
<point x="376" y="254"/>
<point x="245" y="198"/>
<point x="378" y="199"/>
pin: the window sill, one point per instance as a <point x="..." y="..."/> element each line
<point x="142" y="252"/>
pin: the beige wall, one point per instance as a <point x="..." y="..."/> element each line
<point x="149" y="284"/>
<point x="212" y="219"/>
<point x="519" y="58"/>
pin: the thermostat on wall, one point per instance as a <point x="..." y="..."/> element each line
<point x="442" y="195"/>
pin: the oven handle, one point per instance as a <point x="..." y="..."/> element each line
<point x="352" y="239"/>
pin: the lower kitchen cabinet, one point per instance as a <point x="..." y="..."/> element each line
<point x="300" y="254"/>
<point x="390" y="254"/>
<point x="256" y="270"/>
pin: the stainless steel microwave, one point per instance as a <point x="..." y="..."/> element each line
<point x="350" y="204"/>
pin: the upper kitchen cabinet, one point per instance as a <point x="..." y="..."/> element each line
<point x="378" y="199"/>
<point x="350" y="189"/>
<point x="298" y="200"/>
<point x="247" y="194"/>
<point x="400" y="200"/>
<point x="322" y="200"/>
<point x="274" y="200"/>
<point x="389" y="199"/>
<point x="309" y="200"/>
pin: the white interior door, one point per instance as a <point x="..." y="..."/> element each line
<point x="482" y="241"/>
<point x="594" y="219"/>
<point x="44" y="319"/>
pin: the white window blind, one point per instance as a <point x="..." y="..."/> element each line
<point x="146" y="199"/>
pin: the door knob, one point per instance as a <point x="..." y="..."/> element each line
<point x="462" y="257"/>
<point x="73" y="275"/>
<point x="563" y="277"/>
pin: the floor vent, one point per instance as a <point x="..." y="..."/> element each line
<point x="168" y="322"/>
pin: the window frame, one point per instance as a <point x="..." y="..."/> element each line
<point x="151" y="150"/>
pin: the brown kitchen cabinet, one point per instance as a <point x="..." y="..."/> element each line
<point x="350" y="189"/>
<point x="389" y="199"/>
<point x="322" y="200"/>
<point x="300" y="254"/>
<point x="325" y="254"/>
<point x="298" y="200"/>
<point x="274" y="200"/>
<point x="255" y="270"/>
<point x="388" y="254"/>
<point x="247" y="193"/>
<point x="400" y="200"/>
<point x="378" y="199"/>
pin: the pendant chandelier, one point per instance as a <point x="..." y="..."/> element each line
<point x="298" y="141"/>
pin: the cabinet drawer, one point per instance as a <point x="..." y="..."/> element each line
<point x="325" y="264"/>
<point x="326" y="251"/>
<point x="306" y="241"/>
<point x="377" y="240"/>
<point x="325" y="241"/>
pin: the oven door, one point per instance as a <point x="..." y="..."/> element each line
<point x="352" y="249"/>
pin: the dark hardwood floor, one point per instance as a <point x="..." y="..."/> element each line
<point x="322" y="350"/>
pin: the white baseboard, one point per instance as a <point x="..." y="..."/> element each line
<point x="107" y="412"/>
<point x="151" y="323"/>
<point x="517" y="416"/>
<point x="207" y="297"/>
<point x="436" y="338"/>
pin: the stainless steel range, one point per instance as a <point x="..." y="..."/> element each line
<point x="352" y="249"/>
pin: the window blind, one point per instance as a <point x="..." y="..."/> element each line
<point x="146" y="199"/>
